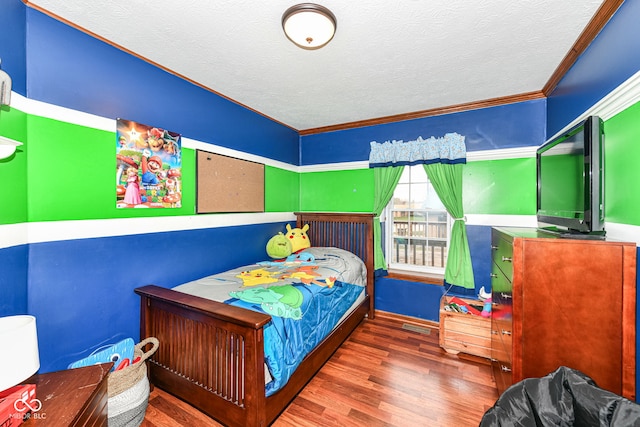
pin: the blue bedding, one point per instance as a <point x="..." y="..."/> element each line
<point x="289" y="339"/>
<point x="306" y="296"/>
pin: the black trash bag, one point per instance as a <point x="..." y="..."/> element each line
<point x="566" y="397"/>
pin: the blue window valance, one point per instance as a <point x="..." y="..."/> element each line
<point x="448" y="149"/>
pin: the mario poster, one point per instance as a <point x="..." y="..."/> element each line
<point x="148" y="166"/>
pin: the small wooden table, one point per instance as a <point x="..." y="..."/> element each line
<point x="73" y="397"/>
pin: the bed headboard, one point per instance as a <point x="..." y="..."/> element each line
<point x="350" y="231"/>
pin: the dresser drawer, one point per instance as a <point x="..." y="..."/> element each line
<point x="502" y="254"/>
<point x="498" y="351"/>
<point x="501" y="352"/>
<point x="502" y="375"/>
<point x="502" y="328"/>
<point x="501" y="287"/>
<point x="466" y="333"/>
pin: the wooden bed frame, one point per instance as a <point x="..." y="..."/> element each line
<point x="211" y="354"/>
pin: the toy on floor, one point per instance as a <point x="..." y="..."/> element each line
<point x="463" y="306"/>
<point x="484" y="295"/>
<point x="486" y="309"/>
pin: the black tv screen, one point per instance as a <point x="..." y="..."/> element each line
<point x="570" y="180"/>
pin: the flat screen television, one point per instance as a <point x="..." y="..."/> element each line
<point x="570" y="177"/>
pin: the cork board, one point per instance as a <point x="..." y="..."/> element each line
<point x="227" y="184"/>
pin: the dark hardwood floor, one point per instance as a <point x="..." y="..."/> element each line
<point x="385" y="374"/>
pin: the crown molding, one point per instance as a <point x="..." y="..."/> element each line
<point x="475" y="105"/>
<point x="593" y="28"/>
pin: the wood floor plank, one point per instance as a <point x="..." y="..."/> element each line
<point x="385" y="374"/>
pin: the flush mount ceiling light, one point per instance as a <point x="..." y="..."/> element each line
<point x="309" y="25"/>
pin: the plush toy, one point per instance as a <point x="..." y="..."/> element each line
<point x="486" y="308"/>
<point x="298" y="238"/>
<point x="279" y="246"/>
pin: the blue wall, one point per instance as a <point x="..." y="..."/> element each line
<point x="12" y="43"/>
<point x="413" y="299"/>
<point x="13" y="280"/>
<point x="74" y="70"/>
<point x="610" y="60"/>
<point x="505" y="126"/>
<point x="81" y="291"/>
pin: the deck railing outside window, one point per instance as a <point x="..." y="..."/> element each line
<point x="420" y="237"/>
<point x="417" y="225"/>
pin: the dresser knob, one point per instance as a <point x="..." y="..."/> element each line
<point x="505" y="296"/>
<point x="506" y="259"/>
<point x="504" y="368"/>
<point x="505" y="332"/>
<point x="493" y="275"/>
<point x="495" y="248"/>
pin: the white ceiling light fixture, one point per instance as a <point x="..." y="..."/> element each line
<point x="309" y="25"/>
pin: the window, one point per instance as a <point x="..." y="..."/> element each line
<point x="417" y="225"/>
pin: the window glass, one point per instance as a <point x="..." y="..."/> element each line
<point x="417" y="225"/>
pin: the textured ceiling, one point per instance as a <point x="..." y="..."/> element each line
<point x="387" y="57"/>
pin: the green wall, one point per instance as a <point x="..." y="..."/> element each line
<point x="13" y="173"/>
<point x="337" y="191"/>
<point x="69" y="172"/>
<point x="504" y="187"/>
<point x="621" y="153"/>
<point x="500" y="187"/>
<point x="282" y="190"/>
<point x="70" y="175"/>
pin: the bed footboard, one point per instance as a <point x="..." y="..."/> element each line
<point x="210" y="354"/>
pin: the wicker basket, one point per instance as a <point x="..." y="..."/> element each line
<point x="119" y="381"/>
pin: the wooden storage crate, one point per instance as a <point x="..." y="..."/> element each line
<point x="466" y="333"/>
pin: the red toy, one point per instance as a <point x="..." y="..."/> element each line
<point x="461" y="303"/>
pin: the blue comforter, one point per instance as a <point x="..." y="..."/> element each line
<point x="306" y="297"/>
<point x="288" y="340"/>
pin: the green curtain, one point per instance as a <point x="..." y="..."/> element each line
<point x="447" y="181"/>
<point x="385" y="179"/>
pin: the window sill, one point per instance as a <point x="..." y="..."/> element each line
<point x="431" y="279"/>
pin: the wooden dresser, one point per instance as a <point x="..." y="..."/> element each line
<point x="563" y="302"/>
